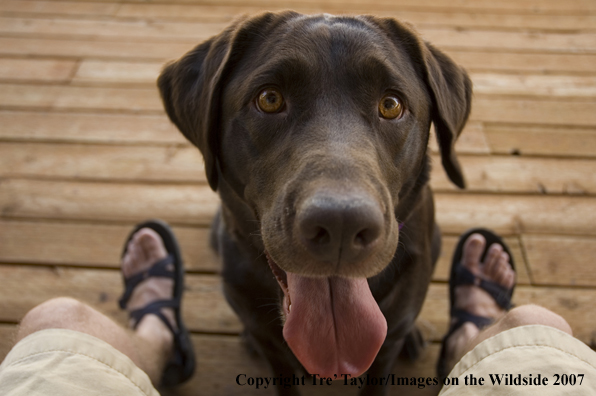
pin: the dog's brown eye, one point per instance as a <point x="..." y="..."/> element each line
<point x="270" y="100"/>
<point x="390" y="107"/>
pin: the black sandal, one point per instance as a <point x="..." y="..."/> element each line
<point x="460" y="275"/>
<point x="182" y="363"/>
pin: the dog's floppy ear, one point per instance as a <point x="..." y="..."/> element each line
<point x="191" y="87"/>
<point x="449" y="86"/>
<point x="452" y="90"/>
<point x="186" y="88"/>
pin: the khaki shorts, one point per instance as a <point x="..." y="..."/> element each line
<point x="567" y="364"/>
<point x="65" y="362"/>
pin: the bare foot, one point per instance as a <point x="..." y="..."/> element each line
<point x="144" y="249"/>
<point x="473" y="299"/>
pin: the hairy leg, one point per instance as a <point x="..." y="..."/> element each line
<point x="475" y="300"/>
<point x="150" y="345"/>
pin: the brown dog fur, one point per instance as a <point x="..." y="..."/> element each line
<point x="327" y="145"/>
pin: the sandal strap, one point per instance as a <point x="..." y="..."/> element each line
<point x="159" y="269"/>
<point x="462" y="317"/>
<point x="155" y="309"/>
<point x="501" y="295"/>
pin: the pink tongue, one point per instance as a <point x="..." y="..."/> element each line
<point x="334" y="326"/>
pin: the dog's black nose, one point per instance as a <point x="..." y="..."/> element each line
<point x="338" y="227"/>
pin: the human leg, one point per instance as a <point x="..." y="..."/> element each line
<point x="473" y="299"/>
<point x="150" y="344"/>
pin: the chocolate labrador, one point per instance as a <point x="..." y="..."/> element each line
<point x="314" y="131"/>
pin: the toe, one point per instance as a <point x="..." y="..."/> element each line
<point x="131" y="259"/>
<point x="144" y="249"/>
<point x="140" y="240"/>
<point x="126" y="263"/>
<point x="507" y="275"/>
<point x="504" y="258"/>
<point x="491" y="260"/>
<point x="151" y="245"/>
<point x="501" y="273"/>
<point x="473" y="248"/>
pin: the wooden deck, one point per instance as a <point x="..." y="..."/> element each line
<point x="86" y="152"/>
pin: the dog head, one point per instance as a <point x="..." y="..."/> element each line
<point x="319" y="125"/>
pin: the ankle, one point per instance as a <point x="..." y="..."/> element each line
<point x="154" y="331"/>
<point x="457" y="343"/>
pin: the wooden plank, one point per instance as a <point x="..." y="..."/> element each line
<point x="97" y="245"/>
<point x="97" y="71"/>
<point x="471" y="140"/>
<point x="561" y="260"/>
<point x="126" y="30"/>
<point x="516" y="214"/>
<point x="426" y="18"/>
<point x="204" y="307"/>
<point x="428" y="23"/>
<point x="36" y="69"/>
<point x="70" y="97"/>
<point x="573" y="304"/>
<point x="449" y="242"/>
<point x="518" y="41"/>
<point x="521" y="174"/>
<point x="482" y="60"/>
<point x="85" y="128"/>
<point x="193" y="33"/>
<point x="198" y="12"/>
<point x="178" y="204"/>
<point x="529" y="111"/>
<point x="184" y="204"/>
<point x="75" y="48"/>
<point x="534" y="85"/>
<point x="107" y="162"/>
<point x="574" y="7"/>
<point x="541" y="140"/>
<point x="58" y="7"/>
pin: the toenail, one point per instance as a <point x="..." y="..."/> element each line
<point x="475" y="242"/>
